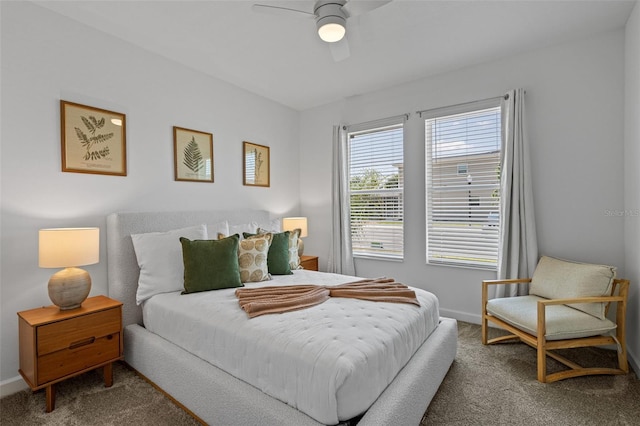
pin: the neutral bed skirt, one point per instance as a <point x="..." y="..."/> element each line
<point x="218" y="398"/>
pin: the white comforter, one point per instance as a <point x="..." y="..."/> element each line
<point x="330" y="361"/>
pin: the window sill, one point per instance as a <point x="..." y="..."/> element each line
<point x="374" y="257"/>
<point x="464" y="266"/>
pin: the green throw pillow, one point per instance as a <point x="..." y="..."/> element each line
<point x="210" y="264"/>
<point x="294" y="236"/>
<point x="278" y="255"/>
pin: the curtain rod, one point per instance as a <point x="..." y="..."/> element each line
<point x="374" y="122"/>
<point x="505" y="97"/>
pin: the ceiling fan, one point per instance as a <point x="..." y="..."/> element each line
<point x="331" y="19"/>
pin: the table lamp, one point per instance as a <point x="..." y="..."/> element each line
<point x="69" y="248"/>
<point x="291" y="223"/>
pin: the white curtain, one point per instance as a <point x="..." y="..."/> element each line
<point x="518" y="251"/>
<point x="341" y="254"/>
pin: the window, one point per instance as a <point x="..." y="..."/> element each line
<point x="463" y="209"/>
<point x="376" y="182"/>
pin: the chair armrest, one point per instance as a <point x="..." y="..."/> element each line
<point x="509" y="281"/>
<point x="487" y="283"/>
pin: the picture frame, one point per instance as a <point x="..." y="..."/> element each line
<point x="93" y="140"/>
<point x="192" y="155"/>
<point x="255" y="164"/>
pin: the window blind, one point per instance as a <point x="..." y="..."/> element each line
<point x="376" y="182"/>
<point x="463" y="186"/>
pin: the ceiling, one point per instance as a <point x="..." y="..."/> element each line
<point x="282" y="58"/>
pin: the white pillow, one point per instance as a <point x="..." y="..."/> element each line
<point x="218" y="229"/>
<point x="274" y="225"/>
<point x="159" y="257"/>
<point x="250" y="228"/>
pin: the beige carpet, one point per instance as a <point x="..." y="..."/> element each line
<point x="496" y="385"/>
<point x="83" y="400"/>
<point x="486" y="385"/>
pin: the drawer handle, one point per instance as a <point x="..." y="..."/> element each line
<point x="84" y="342"/>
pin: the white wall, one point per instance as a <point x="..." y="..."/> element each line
<point x="632" y="178"/>
<point x="45" y="58"/>
<point x="574" y="104"/>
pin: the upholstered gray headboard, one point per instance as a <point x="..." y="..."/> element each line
<point x="122" y="266"/>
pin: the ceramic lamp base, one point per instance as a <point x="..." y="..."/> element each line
<point x="300" y="247"/>
<point x="69" y="288"/>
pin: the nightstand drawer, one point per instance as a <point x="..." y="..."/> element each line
<point x="64" y="335"/>
<point x="81" y="355"/>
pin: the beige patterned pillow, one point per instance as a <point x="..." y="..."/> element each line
<point x="294" y="259"/>
<point x="252" y="258"/>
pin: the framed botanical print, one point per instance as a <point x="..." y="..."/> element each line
<point x="193" y="155"/>
<point x="93" y="140"/>
<point x="255" y="164"/>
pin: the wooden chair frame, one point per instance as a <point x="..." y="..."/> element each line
<point x="544" y="347"/>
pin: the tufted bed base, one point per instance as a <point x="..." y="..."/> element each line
<point x="214" y="396"/>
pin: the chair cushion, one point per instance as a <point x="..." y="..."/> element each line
<point x="561" y="279"/>
<point x="563" y="322"/>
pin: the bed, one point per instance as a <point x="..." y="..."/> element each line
<point x="218" y="397"/>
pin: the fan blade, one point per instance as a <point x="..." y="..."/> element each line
<point x="282" y="11"/>
<point x="340" y="49"/>
<point x="355" y="8"/>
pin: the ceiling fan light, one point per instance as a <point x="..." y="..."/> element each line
<point x="331" y="28"/>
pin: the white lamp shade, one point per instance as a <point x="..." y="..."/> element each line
<point x="291" y="223"/>
<point x="67" y="247"/>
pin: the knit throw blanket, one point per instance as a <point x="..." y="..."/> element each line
<point x="278" y="299"/>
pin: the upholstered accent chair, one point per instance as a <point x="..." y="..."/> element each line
<point x="566" y="308"/>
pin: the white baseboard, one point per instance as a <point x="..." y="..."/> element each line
<point x="461" y="316"/>
<point x="11" y="386"/>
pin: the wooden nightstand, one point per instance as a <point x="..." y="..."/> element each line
<point x="309" y="263"/>
<point x="56" y="345"/>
